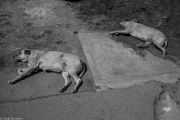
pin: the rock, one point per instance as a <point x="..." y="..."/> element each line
<point x="166" y="108"/>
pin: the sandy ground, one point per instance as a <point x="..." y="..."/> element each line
<point x="52" y="25"/>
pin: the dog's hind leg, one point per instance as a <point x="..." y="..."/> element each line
<point x="78" y="82"/>
<point x="160" y="46"/>
<point x="163" y="51"/>
<point x="67" y="82"/>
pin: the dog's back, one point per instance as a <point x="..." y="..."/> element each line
<point x="54" y="60"/>
<point x="144" y="32"/>
<point x="55" y="55"/>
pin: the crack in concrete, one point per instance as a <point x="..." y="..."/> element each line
<point x="153" y="74"/>
<point x="40" y="97"/>
<point x="170" y="72"/>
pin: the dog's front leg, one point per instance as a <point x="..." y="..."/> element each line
<point x="117" y="32"/>
<point x="20" y="76"/>
<point x="21" y="70"/>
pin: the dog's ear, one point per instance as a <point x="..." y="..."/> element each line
<point x="121" y="23"/>
<point x="27" y="52"/>
<point x="135" y="20"/>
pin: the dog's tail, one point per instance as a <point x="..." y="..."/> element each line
<point x="84" y="68"/>
<point x="165" y="42"/>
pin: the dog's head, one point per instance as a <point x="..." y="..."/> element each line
<point x="23" y="55"/>
<point x="126" y="23"/>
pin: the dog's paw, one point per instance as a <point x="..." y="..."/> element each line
<point x="10" y="82"/>
<point x="62" y="89"/>
<point x="20" y="71"/>
<point x="164" y="57"/>
<point x="74" y="90"/>
<point x="111" y="33"/>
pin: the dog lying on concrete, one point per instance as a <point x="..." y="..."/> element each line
<point x="147" y="34"/>
<point x="65" y="63"/>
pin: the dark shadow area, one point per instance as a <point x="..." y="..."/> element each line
<point x="122" y="34"/>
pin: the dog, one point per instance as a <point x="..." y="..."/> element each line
<point x="64" y="63"/>
<point x="144" y="33"/>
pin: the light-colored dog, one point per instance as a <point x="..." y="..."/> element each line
<point x="147" y="34"/>
<point x="65" y="63"/>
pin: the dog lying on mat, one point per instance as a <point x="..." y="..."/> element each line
<point x="144" y="33"/>
<point x="65" y="63"/>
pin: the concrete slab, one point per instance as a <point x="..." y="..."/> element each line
<point x="135" y="103"/>
<point x="114" y="65"/>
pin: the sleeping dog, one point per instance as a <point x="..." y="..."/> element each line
<point x="65" y="63"/>
<point x="147" y="34"/>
